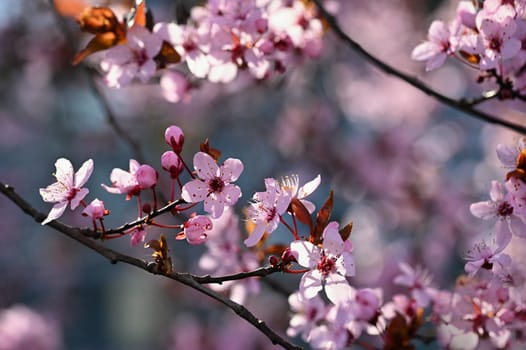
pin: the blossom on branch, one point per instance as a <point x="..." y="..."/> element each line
<point x="214" y="185"/>
<point x="68" y="188"/>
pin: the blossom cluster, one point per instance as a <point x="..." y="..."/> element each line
<point x="488" y="36"/>
<point x="219" y="40"/>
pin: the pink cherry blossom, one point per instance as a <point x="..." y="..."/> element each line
<point x="266" y="209"/>
<point x="213" y="185"/>
<point x="495" y="42"/>
<point x="131" y="182"/>
<point x="489" y="257"/>
<point x="123" y="63"/>
<point x="95" y="209"/>
<point x="418" y="281"/>
<point x="291" y="183"/>
<point x="307" y="313"/>
<point x="196" y="228"/>
<point x="329" y="266"/>
<point x="437" y="48"/>
<point x="501" y="207"/>
<point x="68" y="188"/>
<point x="174" y="136"/>
<point x="508" y="155"/>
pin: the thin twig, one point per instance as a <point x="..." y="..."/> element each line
<point x="459" y="105"/>
<point x="184" y="278"/>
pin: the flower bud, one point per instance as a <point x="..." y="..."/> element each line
<point x="95" y="210"/>
<point x="171" y="162"/>
<point x="175" y="138"/>
<point x="146" y="176"/>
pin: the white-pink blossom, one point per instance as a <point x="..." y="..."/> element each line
<point x="68" y="188"/>
<point x="95" y="209"/>
<point x="329" y="266"/>
<point x="437" y="48"/>
<point x="213" y="185"/>
<point x="266" y="209"/>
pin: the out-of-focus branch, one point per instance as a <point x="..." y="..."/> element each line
<point x="194" y="282"/>
<point x="460" y="105"/>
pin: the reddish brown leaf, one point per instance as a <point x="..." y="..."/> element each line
<point x="301" y="213"/>
<point x="345" y="232"/>
<point x="322" y="219"/>
<point x="212" y="152"/>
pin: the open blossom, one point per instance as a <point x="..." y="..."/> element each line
<point x="489" y="257"/>
<point x="214" y="185"/>
<point x="495" y="42"/>
<point x="501" y="207"/>
<point x="68" y="188"/>
<point x="418" y="281"/>
<point x="131" y="182"/>
<point x="266" y="209"/>
<point x="329" y="266"/>
<point x="307" y="313"/>
<point x="437" y="48"/>
<point x="291" y="183"/>
<point x="123" y="63"/>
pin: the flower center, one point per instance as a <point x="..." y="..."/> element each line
<point x="505" y="209"/>
<point x="495" y="44"/>
<point x="216" y="185"/>
<point x="326" y="265"/>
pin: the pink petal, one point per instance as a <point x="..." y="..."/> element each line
<point x="332" y="241"/>
<point x="308" y="254"/>
<point x="425" y="51"/>
<point x="256" y="235"/>
<point x="496" y="194"/>
<point x="56" y="212"/>
<point x="78" y="197"/>
<point x="230" y="194"/>
<point x="194" y="191"/>
<point x="348" y="265"/>
<point x="214" y="207"/>
<point x="483" y="210"/>
<point x="147" y="71"/>
<point x="198" y="64"/>
<point x="337" y="288"/>
<point x="310" y="284"/>
<point x="64" y="172"/>
<point x="54" y="193"/>
<point x="205" y="166"/>
<point x="510" y="48"/>
<point x="231" y="169"/>
<point x="438" y="32"/>
<point x="517" y="226"/>
<point x="507" y="155"/>
<point x="436" y="61"/>
<point x="309" y="187"/>
<point x="223" y="73"/>
<point x="83" y="174"/>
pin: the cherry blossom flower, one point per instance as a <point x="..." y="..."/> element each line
<point x="266" y="209"/>
<point x="68" y="188"/>
<point x="489" y="257"/>
<point x="195" y="229"/>
<point x="502" y="208"/>
<point x="418" y="281"/>
<point x="437" y="48"/>
<point x="123" y="63"/>
<point x="291" y="183"/>
<point x="495" y="42"/>
<point x="214" y="184"/>
<point x="131" y="182"/>
<point x="508" y="155"/>
<point x="307" y="313"/>
<point x="95" y="209"/>
<point x="329" y="266"/>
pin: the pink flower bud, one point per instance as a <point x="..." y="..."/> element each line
<point x="175" y="138"/>
<point x="146" y="176"/>
<point x="171" y="162"/>
<point x="95" y="210"/>
<point x="195" y="227"/>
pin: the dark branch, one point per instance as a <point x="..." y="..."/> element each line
<point x="189" y="280"/>
<point x="459" y="105"/>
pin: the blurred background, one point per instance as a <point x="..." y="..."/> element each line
<point x="403" y="168"/>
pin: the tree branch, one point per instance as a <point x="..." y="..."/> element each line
<point x="459" y="105"/>
<point x="189" y="280"/>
